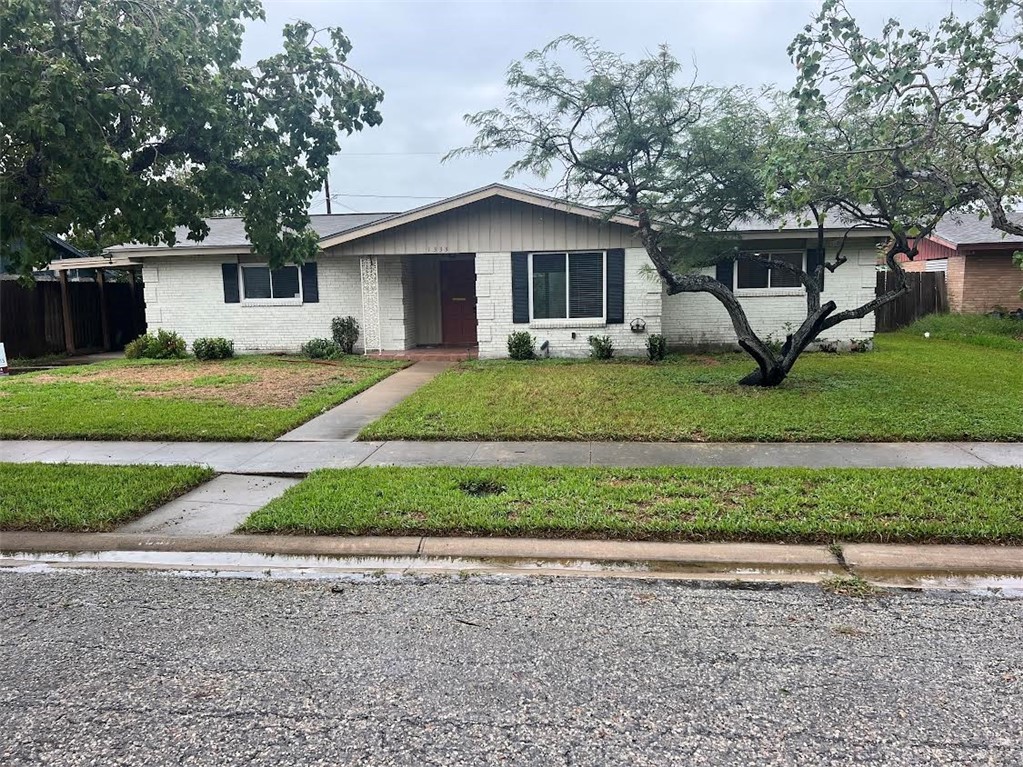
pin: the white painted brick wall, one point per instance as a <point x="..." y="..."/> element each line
<point x="394" y="299"/>
<point x="494" y="311"/>
<point x="692" y="319"/>
<point x="186" y="295"/>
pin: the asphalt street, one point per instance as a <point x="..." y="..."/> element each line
<point x="117" y="667"/>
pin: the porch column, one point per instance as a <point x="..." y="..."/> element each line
<point x="65" y="311"/>
<point x="104" y="316"/>
<point x="370" y="304"/>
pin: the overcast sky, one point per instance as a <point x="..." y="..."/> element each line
<point x="436" y="61"/>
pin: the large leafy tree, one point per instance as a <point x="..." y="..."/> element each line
<point x="641" y="139"/>
<point x="685" y="159"/>
<point x="902" y="128"/>
<point x="123" y="119"/>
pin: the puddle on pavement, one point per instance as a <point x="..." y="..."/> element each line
<point x="292" y="567"/>
<point x="1010" y="586"/>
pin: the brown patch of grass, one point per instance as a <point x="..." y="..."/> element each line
<point x="242" y="384"/>
<point x="732" y="498"/>
<point x="709" y="362"/>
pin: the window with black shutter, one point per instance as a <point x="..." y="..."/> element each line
<point x="567" y="285"/>
<point x="260" y="282"/>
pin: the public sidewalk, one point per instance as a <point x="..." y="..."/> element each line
<point x="298" y="458"/>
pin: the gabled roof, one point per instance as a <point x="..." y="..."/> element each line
<point x="467" y="198"/>
<point x="958" y="229"/>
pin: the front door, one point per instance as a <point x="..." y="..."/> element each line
<point x="458" y="302"/>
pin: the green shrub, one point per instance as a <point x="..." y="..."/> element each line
<point x="213" y="348"/>
<point x="165" y="345"/>
<point x="521" y="346"/>
<point x="656" y="347"/>
<point x="322" y="349"/>
<point x="345" y="331"/>
<point x="601" y="347"/>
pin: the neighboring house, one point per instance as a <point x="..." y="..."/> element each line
<point x="977" y="261"/>
<point x="468" y="271"/>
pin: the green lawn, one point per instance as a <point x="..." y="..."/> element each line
<point x="85" y="497"/>
<point x="951" y="505"/>
<point x="247" y="398"/>
<point x="909" y="388"/>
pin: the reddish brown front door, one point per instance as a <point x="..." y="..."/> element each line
<point x="458" y="302"/>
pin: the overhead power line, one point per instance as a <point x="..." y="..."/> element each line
<point x="391" y="154"/>
<point x="385" y="196"/>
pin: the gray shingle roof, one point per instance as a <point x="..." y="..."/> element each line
<point x="229" y="231"/>
<point x="971" y="229"/>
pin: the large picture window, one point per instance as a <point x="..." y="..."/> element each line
<point x="260" y="282"/>
<point x="567" y="285"/>
<point x="753" y="275"/>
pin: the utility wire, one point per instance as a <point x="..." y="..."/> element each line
<point x="386" y="196"/>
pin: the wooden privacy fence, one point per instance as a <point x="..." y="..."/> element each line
<point x="102" y="315"/>
<point x="927" y="295"/>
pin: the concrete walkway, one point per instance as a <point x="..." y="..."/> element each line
<point x="213" y="509"/>
<point x="297" y="458"/>
<point x="344" y="422"/>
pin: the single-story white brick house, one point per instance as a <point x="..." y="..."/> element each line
<point x="469" y="270"/>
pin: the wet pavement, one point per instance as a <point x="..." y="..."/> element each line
<point x="214" y="508"/>
<point x="134" y="668"/>
<point x="300" y="457"/>
<point x="345" y="421"/>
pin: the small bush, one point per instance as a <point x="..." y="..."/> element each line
<point x="601" y="347"/>
<point x="322" y="349"/>
<point x="345" y="331"/>
<point x="213" y="348"/>
<point x="165" y="345"/>
<point x="656" y="347"/>
<point x="521" y="346"/>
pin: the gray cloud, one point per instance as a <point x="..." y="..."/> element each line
<point x="437" y="61"/>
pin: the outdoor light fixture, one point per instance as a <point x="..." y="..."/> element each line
<point x="638" y="325"/>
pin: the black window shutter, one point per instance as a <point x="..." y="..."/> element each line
<point x="520" y="287"/>
<point x="815" y="258"/>
<point x="310" y="283"/>
<point x="725" y="270"/>
<point x="616" y="286"/>
<point x="230" y="272"/>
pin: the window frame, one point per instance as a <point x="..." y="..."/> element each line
<point x="568" y="320"/>
<point x="772" y="290"/>
<point x="296" y="300"/>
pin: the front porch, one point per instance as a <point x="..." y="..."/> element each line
<point x="430" y="353"/>
<point x="419" y="307"/>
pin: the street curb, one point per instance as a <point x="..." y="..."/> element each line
<point x="711" y="557"/>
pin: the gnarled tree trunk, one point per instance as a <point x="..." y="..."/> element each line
<point x="773" y="368"/>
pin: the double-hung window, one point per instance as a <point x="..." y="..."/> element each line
<point x="567" y="285"/>
<point x="261" y="283"/>
<point x="752" y="275"/>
